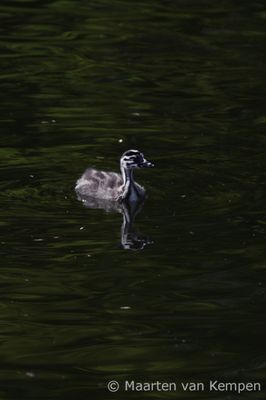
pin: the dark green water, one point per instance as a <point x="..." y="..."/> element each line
<point x="82" y="81"/>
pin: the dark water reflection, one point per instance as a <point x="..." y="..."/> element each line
<point x="81" y="82"/>
<point x="131" y="239"/>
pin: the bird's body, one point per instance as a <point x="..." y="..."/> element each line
<point x="112" y="186"/>
<point x="101" y="184"/>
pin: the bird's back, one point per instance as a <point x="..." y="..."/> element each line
<point x="100" y="184"/>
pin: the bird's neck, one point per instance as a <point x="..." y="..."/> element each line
<point x="127" y="175"/>
<point x="130" y="190"/>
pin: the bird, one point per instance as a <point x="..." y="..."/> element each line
<point x="112" y="186"/>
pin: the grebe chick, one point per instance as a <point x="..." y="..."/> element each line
<point x="112" y="186"/>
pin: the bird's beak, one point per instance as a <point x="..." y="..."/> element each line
<point x="146" y="164"/>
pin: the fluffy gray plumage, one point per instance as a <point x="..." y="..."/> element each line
<point x="100" y="184"/>
<point x="111" y="185"/>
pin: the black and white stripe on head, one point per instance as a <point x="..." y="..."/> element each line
<point x="134" y="159"/>
<point x="131" y="159"/>
<point x="130" y="153"/>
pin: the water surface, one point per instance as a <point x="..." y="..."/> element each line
<point x="81" y="82"/>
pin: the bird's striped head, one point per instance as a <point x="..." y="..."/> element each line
<point x="134" y="159"/>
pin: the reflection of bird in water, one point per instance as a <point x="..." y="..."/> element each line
<point x="114" y="192"/>
<point x="112" y="186"/>
<point x="131" y="239"/>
